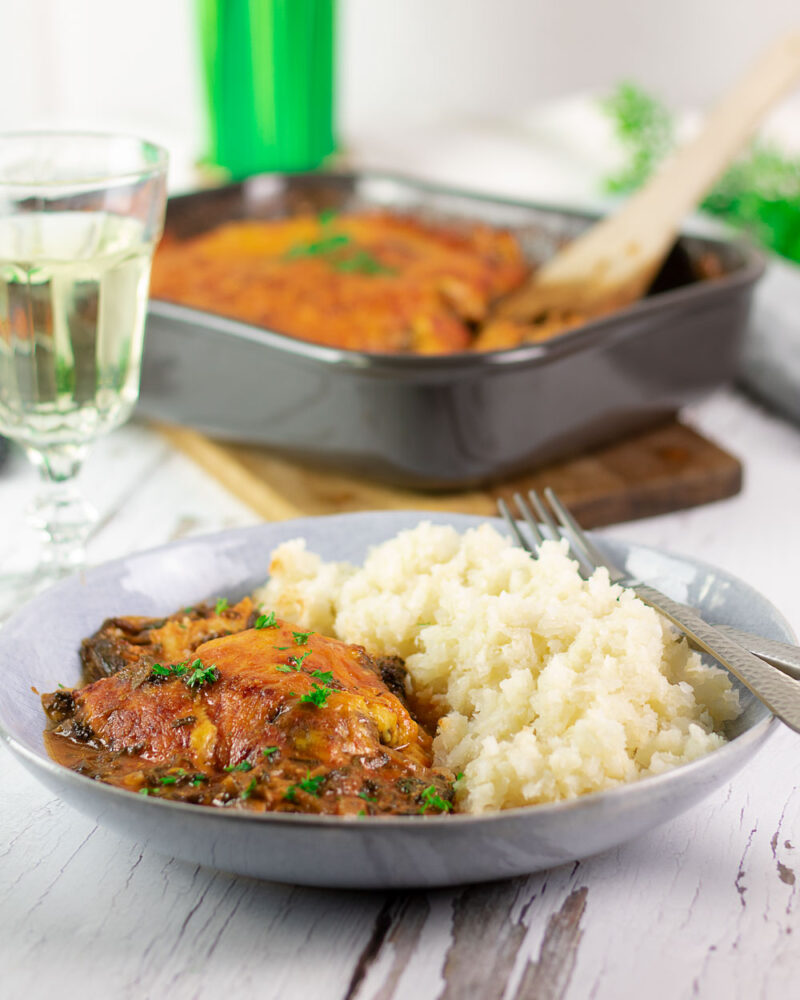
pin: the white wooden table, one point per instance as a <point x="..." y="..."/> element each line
<point x="705" y="906"/>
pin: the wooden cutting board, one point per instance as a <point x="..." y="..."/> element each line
<point x="666" y="469"/>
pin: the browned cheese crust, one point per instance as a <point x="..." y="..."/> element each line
<point x="370" y="281"/>
<point x="269" y="718"/>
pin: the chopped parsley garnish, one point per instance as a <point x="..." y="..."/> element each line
<point x="266" y="621"/>
<point x="173" y="670"/>
<point x="243" y="765"/>
<point x="459" y="776"/>
<point x="367" y="798"/>
<point x="294" y="663"/>
<point x="201" y="675"/>
<point x="360" y="261"/>
<point x="307" y="784"/>
<point x="318" y="695"/>
<point x="198" y="779"/>
<point x="318" y="248"/>
<point x="311" y="785"/>
<point x="188" y="611"/>
<point x="301" y="638"/>
<point x="281" y="648"/>
<point x="249" y="790"/>
<point x="326" y="676"/>
<point x="221" y="605"/>
<point x="431" y="799"/>
<point x="171" y="779"/>
<point x="145" y="791"/>
<point x="269" y="751"/>
<point x="361" y="812"/>
<point x="339" y="251"/>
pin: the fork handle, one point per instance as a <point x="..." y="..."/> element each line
<point x="780" y="654"/>
<point x="781" y="694"/>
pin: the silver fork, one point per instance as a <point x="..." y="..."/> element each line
<point x="733" y="648"/>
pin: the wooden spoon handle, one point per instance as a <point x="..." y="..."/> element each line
<point x="613" y="262"/>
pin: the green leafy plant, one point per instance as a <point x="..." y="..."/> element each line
<point x="759" y="193"/>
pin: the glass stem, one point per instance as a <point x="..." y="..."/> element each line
<point x="59" y="513"/>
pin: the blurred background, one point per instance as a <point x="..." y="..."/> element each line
<point x="570" y="103"/>
<point x="401" y="67"/>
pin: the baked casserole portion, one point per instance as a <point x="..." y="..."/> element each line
<point x="371" y="281"/>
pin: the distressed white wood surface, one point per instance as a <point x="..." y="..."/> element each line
<point x="704" y="906"/>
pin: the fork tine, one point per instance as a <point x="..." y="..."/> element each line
<point x="529" y="520"/>
<point x="580" y="541"/>
<point x="544" y="514"/>
<point x="502" y="506"/>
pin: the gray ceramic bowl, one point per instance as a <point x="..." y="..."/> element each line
<point x="38" y="648"/>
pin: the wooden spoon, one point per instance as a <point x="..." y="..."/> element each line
<point x="613" y="263"/>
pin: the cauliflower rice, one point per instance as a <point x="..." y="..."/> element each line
<point x="546" y="686"/>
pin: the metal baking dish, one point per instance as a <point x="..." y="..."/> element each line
<point x="452" y="421"/>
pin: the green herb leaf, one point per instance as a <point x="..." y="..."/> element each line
<point x="432" y="800"/>
<point x="297" y="661"/>
<point x="326" y="676"/>
<point x="249" y="790"/>
<point x="167" y="779"/>
<point x="311" y="785"/>
<point x="269" y="751"/>
<point x="221" y="605"/>
<point x="243" y="765"/>
<point x="284" y="668"/>
<point x="645" y="130"/>
<point x="301" y="638"/>
<point x="367" y="798"/>
<point x="173" y="670"/>
<point x="198" y="779"/>
<point x="318" y="248"/>
<point x="145" y="791"/>
<point x="361" y="262"/>
<point x="266" y="621"/>
<point x="201" y="675"/>
<point x="759" y="193"/>
<point x="318" y="695"/>
<point x="307" y="784"/>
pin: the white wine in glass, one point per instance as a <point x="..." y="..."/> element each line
<point x="80" y="216"/>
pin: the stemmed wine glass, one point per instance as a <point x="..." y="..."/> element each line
<point x="80" y="215"/>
